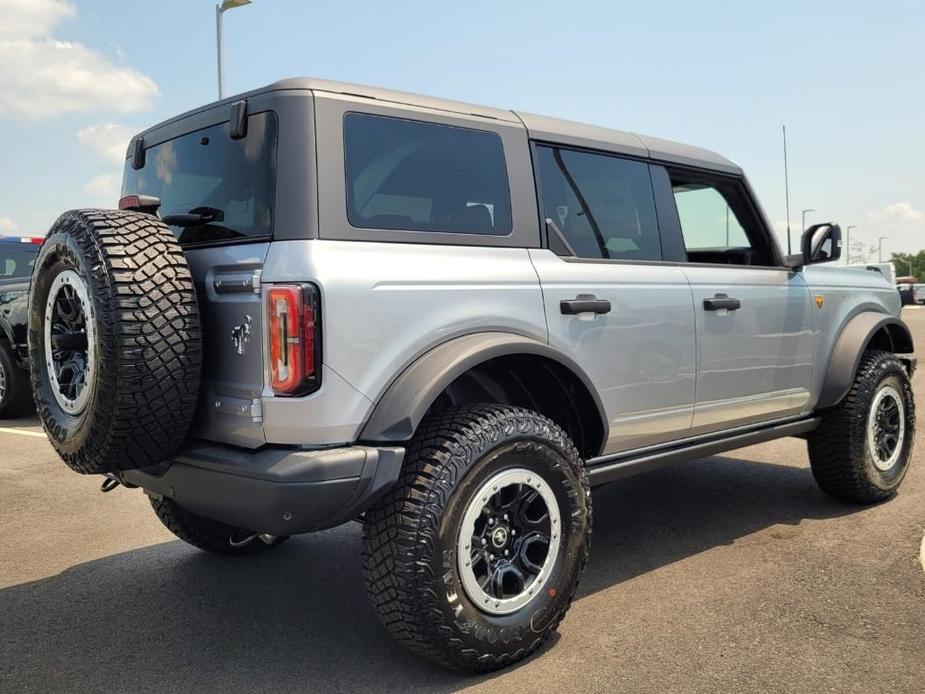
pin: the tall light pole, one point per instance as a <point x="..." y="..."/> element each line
<point x="848" y="243"/>
<point x="220" y="9"/>
<point x="880" y="249"/>
<point x="804" y="219"/>
<point x="786" y="187"/>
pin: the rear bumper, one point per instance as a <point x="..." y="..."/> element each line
<point x="280" y="491"/>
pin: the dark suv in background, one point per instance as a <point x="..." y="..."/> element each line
<point x="17" y="255"/>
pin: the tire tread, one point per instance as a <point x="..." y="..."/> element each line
<point x="149" y="341"/>
<point x="837" y="451"/>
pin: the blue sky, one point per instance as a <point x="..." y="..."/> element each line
<point x="78" y="77"/>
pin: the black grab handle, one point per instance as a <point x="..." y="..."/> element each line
<point x="721" y="301"/>
<point x="584" y="303"/>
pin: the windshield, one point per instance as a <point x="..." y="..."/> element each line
<point x="235" y="180"/>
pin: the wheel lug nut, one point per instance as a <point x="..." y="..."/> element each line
<point x="491" y="521"/>
<point x="491" y="557"/>
<point x="484" y="541"/>
<point x="505" y="516"/>
<point x="506" y="553"/>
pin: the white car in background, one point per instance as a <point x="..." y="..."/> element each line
<point x="918" y="295"/>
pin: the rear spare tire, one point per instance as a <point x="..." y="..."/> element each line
<point x="114" y="340"/>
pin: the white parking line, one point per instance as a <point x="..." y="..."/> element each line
<point x="922" y="554"/>
<point x="22" y="432"/>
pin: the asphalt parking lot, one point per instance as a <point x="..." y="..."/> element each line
<point x="729" y="574"/>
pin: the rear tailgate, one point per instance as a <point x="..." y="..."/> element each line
<point x="228" y="287"/>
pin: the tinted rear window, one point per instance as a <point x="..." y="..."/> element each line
<point x="602" y="204"/>
<point x="207" y="169"/>
<point x="411" y="175"/>
<point x="17" y="258"/>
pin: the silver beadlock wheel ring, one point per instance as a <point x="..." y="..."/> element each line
<point x="886" y="428"/>
<point x="508" y="541"/>
<point x="70" y="344"/>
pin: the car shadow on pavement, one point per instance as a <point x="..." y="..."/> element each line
<point x="168" y="617"/>
<point x="29" y="422"/>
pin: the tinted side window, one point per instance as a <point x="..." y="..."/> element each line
<point x="717" y="223"/>
<point x="417" y="176"/>
<point x="707" y="220"/>
<point x="16" y="259"/>
<point x="602" y="204"/>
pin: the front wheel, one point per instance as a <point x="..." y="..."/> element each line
<point x="862" y="448"/>
<point x="473" y="559"/>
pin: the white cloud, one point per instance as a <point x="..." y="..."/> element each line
<point x="30" y="18"/>
<point x="109" y="140"/>
<point x="42" y="77"/>
<point x="8" y="226"/>
<point x="898" y="211"/>
<point x="104" y="190"/>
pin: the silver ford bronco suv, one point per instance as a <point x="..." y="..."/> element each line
<point x="322" y="302"/>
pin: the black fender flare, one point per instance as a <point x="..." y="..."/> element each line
<point x="851" y="343"/>
<point x="406" y="400"/>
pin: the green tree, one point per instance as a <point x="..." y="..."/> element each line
<point x="909" y="264"/>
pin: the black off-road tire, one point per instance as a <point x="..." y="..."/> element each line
<point x="208" y="535"/>
<point x="841" y="459"/>
<point x="410" y="537"/>
<point x="146" y="369"/>
<point x="15" y="389"/>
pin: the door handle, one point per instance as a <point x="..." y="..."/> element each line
<point x="721" y="301"/>
<point x="584" y="303"/>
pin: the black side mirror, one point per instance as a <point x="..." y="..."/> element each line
<point x="821" y="243"/>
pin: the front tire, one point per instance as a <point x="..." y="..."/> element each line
<point x="473" y="558"/>
<point x="862" y="448"/>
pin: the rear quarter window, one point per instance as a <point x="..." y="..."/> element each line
<point x="417" y="176"/>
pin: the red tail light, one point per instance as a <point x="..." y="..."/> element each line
<point x="295" y="339"/>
